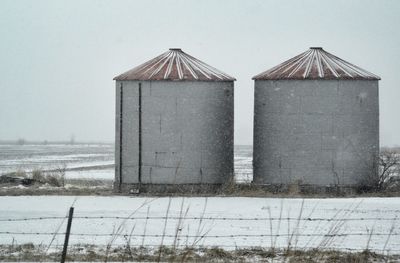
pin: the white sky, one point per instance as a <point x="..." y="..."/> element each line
<point x="58" y="58"/>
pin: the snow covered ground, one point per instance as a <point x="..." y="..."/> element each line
<point x="243" y="163"/>
<point x="88" y="161"/>
<point x="228" y="222"/>
<point x="346" y="224"/>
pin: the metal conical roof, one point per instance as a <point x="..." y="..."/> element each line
<point x="175" y="65"/>
<point x="316" y="63"/>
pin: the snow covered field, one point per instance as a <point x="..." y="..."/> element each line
<point x="88" y="161"/>
<point x="227" y="222"/>
<point x="243" y="163"/>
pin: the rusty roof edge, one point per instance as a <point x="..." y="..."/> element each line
<point x="121" y="77"/>
<point x="321" y="78"/>
<point x="176" y="80"/>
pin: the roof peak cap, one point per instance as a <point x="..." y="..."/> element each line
<point x="320" y="48"/>
<point x="175" y="49"/>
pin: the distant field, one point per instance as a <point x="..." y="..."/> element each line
<point x="92" y="161"/>
<point x="88" y="161"/>
<point x="81" y="160"/>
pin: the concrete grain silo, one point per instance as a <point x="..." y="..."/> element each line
<point x="316" y="123"/>
<point x="174" y="125"/>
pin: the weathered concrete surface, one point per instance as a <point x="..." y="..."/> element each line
<point x="315" y="132"/>
<point x="187" y="132"/>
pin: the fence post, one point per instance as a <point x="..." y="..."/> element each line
<point x="64" y="253"/>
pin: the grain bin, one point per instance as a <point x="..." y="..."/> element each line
<point x="174" y="125"/>
<point x="316" y="123"/>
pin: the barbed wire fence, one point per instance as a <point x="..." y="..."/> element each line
<point x="199" y="217"/>
<point x="179" y="240"/>
<point x="196" y="220"/>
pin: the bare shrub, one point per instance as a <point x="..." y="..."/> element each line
<point x="38" y="176"/>
<point x="229" y="186"/>
<point x="20" y="173"/>
<point x="385" y="174"/>
<point x="57" y="176"/>
<point x="389" y="168"/>
<point x="53" y="178"/>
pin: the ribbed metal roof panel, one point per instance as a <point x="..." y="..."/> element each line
<point x="316" y="63"/>
<point x="175" y="65"/>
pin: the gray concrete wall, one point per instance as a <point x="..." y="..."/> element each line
<point x="317" y="132"/>
<point x="187" y="132"/>
<point x="128" y="155"/>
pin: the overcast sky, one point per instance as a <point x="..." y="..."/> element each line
<point x="58" y="58"/>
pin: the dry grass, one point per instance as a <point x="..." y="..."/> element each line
<point x="54" y="178"/>
<point x="72" y="187"/>
<point x="91" y="253"/>
<point x="105" y="188"/>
